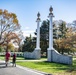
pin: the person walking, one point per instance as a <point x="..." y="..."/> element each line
<point x="14" y="60"/>
<point x="7" y="57"/>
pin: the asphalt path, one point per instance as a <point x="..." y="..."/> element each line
<point x="17" y="70"/>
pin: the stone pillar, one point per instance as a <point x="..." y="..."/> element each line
<point x="37" y="49"/>
<point x="38" y="36"/>
<point x="50" y="35"/>
<point x="53" y="55"/>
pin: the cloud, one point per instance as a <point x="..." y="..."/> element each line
<point x="28" y="32"/>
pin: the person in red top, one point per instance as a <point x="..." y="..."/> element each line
<point x="14" y="59"/>
<point x="7" y="57"/>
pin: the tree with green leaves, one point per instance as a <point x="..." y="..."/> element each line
<point x="29" y="44"/>
<point x="1" y="49"/>
<point x="62" y="28"/>
<point x="44" y="35"/>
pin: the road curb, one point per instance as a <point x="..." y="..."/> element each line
<point x="36" y="71"/>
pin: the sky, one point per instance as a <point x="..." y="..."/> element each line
<point x="26" y="11"/>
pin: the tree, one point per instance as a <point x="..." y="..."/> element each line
<point x="62" y="28"/>
<point x="1" y="49"/>
<point x="44" y="35"/>
<point x="71" y="37"/>
<point x="64" y="37"/>
<point x="67" y="43"/>
<point x="20" y="40"/>
<point x="8" y="23"/>
<point x="11" y="47"/>
<point x="29" y="44"/>
<point x="44" y="30"/>
<point x="11" y="37"/>
<point x="59" y="28"/>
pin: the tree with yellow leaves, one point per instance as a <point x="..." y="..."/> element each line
<point x="11" y="47"/>
<point x="8" y="23"/>
<point x="68" y="43"/>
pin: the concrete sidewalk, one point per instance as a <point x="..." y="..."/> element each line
<point x="19" y="70"/>
<point x="32" y="60"/>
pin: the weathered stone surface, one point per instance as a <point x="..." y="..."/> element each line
<point x="54" y="56"/>
<point x="36" y="54"/>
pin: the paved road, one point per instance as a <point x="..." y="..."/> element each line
<point x="17" y="70"/>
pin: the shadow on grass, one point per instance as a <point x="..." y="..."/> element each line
<point x="20" y="58"/>
<point x="30" y="59"/>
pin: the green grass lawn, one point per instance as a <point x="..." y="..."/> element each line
<point x="2" y="57"/>
<point x="54" y="68"/>
<point x="49" y="67"/>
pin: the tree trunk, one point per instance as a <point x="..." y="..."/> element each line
<point x="7" y="47"/>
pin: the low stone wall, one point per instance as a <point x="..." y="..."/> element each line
<point x="36" y="54"/>
<point x="20" y="54"/>
<point x="59" y="58"/>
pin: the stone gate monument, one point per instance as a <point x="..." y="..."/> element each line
<point x="53" y="55"/>
<point x="36" y="54"/>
